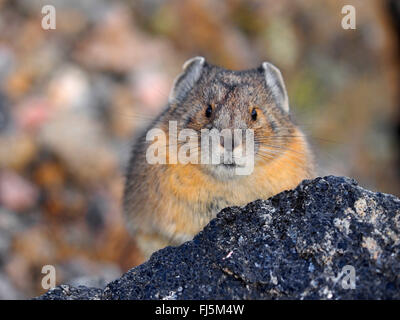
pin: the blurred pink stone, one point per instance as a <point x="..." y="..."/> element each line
<point x="151" y="89"/>
<point x="33" y="113"/>
<point x="16" y="193"/>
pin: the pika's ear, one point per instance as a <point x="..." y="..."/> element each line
<point x="187" y="79"/>
<point x="274" y="80"/>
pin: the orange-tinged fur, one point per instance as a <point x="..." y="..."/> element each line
<point x="186" y="189"/>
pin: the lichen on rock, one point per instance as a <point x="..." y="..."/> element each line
<point x="299" y="244"/>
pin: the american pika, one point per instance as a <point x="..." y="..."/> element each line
<point x="167" y="204"/>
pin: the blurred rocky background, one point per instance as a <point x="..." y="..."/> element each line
<point x="72" y="99"/>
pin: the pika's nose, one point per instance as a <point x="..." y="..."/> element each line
<point x="230" y="143"/>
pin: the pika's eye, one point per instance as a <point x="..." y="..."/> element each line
<point x="209" y="111"/>
<point x="254" y="114"/>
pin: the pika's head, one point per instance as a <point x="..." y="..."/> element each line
<point x="207" y="98"/>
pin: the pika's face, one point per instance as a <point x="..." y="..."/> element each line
<point x="240" y="116"/>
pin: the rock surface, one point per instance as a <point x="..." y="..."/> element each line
<point x="306" y="243"/>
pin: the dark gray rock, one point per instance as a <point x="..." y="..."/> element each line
<point x="300" y="244"/>
<point x="67" y="292"/>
